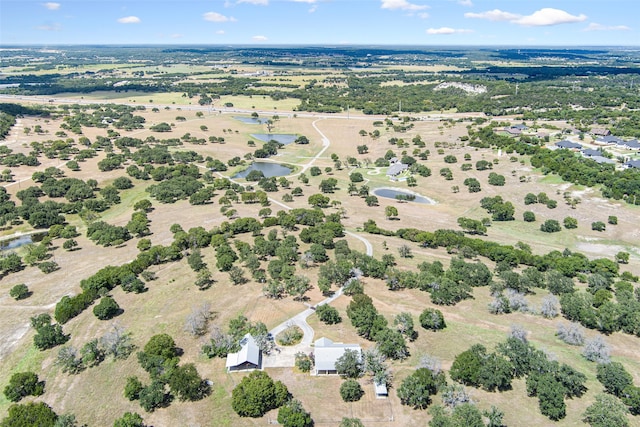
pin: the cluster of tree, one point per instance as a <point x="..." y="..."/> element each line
<point x="116" y="342"/>
<point x="498" y="208"/>
<point x="48" y="335"/>
<point x="23" y="384"/>
<point x="373" y="326"/>
<point x="257" y="394"/>
<point x="160" y="358"/>
<point x="220" y="343"/>
<point x="596" y="308"/>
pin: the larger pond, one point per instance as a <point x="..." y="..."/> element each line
<point x="17" y="241"/>
<point x="251" y="120"/>
<point x="282" y="138"/>
<point x="267" y="169"/>
<point x="407" y="196"/>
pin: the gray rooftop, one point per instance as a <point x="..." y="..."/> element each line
<point x="249" y="352"/>
<point x="327" y="352"/>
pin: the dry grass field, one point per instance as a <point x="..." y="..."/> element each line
<point x="95" y="395"/>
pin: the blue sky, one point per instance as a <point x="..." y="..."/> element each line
<point x="322" y="22"/>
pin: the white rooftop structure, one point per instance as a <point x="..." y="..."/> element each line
<point x="249" y="356"/>
<point x="326" y="354"/>
<point x="381" y="390"/>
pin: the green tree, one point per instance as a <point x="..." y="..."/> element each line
<point x="606" y="411"/>
<point x="328" y="314"/>
<point x="153" y="396"/>
<point x="528" y="216"/>
<point x="19" y="292"/>
<point x="29" y="415"/>
<point x="257" y="394"/>
<point x="351" y="391"/>
<point x="416" y="390"/>
<point x="351" y="422"/>
<point x="570" y="222"/>
<point x="132" y="388"/>
<point x="349" y="365"/>
<point x="432" y="319"/>
<point x="550" y="226"/>
<point x="129" y="419"/>
<point x="467" y="366"/>
<point x="187" y="384"/>
<point x="292" y="414"/>
<point x="614" y="377"/>
<point x="391" y="212"/>
<point x="106" y="309"/>
<point x="23" y="384"/>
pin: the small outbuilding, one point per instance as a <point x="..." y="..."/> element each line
<point x="248" y="358"/>
<point x="381" y="390"/>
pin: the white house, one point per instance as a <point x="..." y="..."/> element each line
<point x="326" y="354"/>
<point x="249" y="356"/>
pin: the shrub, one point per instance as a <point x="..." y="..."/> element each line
<point x="19" y="292"/>
<point x="23" y="384"/>
<point x="106" y="309"/>
<point x="328" y="314"/>
<point x="351" y="391"/>
<point x="529" y="216"/>
<point x="572" y="334"/>
<point x="613" y="220"/>
<point x="597" y="350"/>
<point x="550" y="226"/>
<point x="598" y="226"/>
<point x="432" y="319"/>
<point x="570" y="223"/>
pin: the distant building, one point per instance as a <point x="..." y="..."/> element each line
<point x="633" y="164"/>
<point x="396" y="169"/>
<point x="602" y="159"/>
<point x="249" y="357"/>
<point x="609" y="139"/>
<point x="600" y="132"/>
<point x="569" y="145"/>
<point x="632" y="144"/>
<point x="588" y="152"/>
<point x="327" y="352"/>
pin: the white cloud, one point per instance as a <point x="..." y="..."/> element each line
<point x="49" y="27"/>
<point x="259" y="38"/>
<point x="493" y="15"/>
<point x="305" y="1"/>
<point x="549" y="16"/>
<point x="129" y="20"/>
<point x="257" y="2"/>
<point x="52" y="5"/>
<point x="218" y="17"/>
<point x="220" y="32"/>
<point x="599" y="27"/>
<point x="447" y="30"/>
<point x="465" y="2"/>
<point x="313" y="8"/>
<point x="401" y="5"/>
<point x="423" y="15"/>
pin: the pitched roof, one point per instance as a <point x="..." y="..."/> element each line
<point x="609" y="139"/>
<point x="327" y="352"/>
<point x="588" y="152"/>
<point x="602" y="159"/>
<point x="567" y="144"/>
<point x="396" y="168"/>
<point x="633" y="164"/>
<point x="632" y="143"/>
<point x="249" y="352"/>
<point x="600" y="131"/>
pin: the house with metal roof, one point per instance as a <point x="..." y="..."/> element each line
<point x="326" y="353"/>
<point x="248" y="358"/>
<point x="609" y="139"/>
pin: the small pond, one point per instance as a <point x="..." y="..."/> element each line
<point x="17" y="241"/>
<point x="282" y="138"/>
<point x="268" y="169"/>
<point x="251" y="120"/>
<point x="408" y="196"/>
